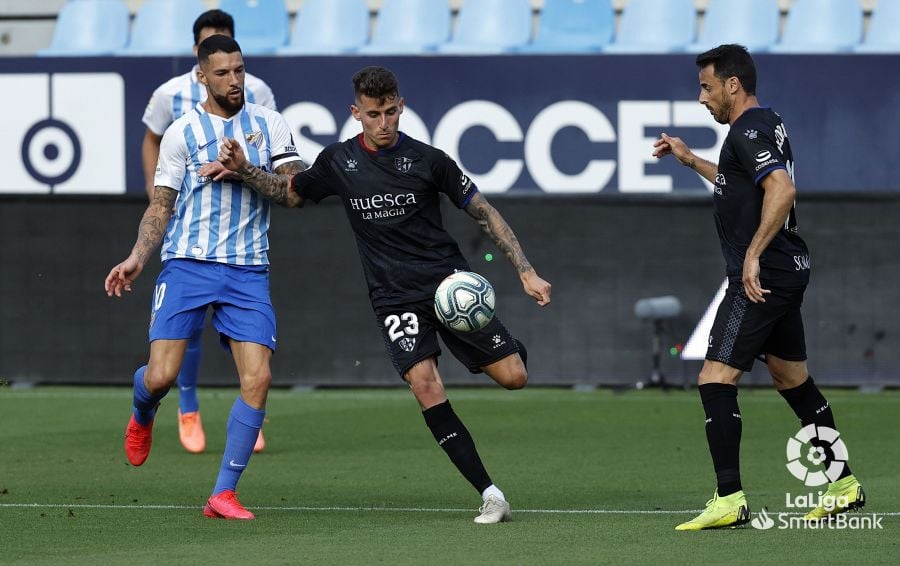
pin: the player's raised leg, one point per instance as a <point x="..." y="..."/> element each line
<point x="151" y="383"/>
<point x="453" y="436"/>
<point x="718" y="392"/>
<point x="190" y="427"/>
<point x="792" y="380"/>
<point x="244" y="422"/>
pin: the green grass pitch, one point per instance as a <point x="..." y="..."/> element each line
<point x="354" y="477"/>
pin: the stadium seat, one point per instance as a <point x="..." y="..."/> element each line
<point x="89" y="27"/>
<point x="410" y="27"/>
<point x="260" y="26"/>
<point x="655" y="26"/>
<point x="164" y="27"/>
<point x="751" y="23"/>
<point x="884" y="30"/>
<point x="490" y="27"/>
<point x="329" y="27"/>
<point x="821" y="26"/>
<point x="573" y="26"/>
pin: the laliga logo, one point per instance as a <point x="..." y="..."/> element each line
<point x="806" y="466"/>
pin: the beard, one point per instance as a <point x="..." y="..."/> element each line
<point x="226" y="104"/>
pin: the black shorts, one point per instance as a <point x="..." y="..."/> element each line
<point x="410" y="335"/>
<point x="743" y="329"/>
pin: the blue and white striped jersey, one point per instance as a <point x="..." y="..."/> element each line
<point x="177" y="96"/>
<point x="220" y="221"/>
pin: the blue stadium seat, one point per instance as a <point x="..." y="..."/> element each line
<point x="164" y="27"/>
<point x="751" y="23"/>
<point x="89" y="27"/>
<point x="655" y="26"/>
<point x="329" y="27"/>
<point x="884" y="29"/>
<point x="821" y="26"/>
<point x="490" y="27"/>
<point x="410" y="27"/>
<point x="573" y="26"/>
<point x="260" y="26"/>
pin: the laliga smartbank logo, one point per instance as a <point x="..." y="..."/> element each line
<point x="817" y="456"/>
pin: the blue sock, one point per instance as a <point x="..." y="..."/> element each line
<point x="243" y="428"/>
<point x="187" y="377"/>
<point x="144" y="403"/>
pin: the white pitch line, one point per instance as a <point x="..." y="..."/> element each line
<point x="386" y="509"/>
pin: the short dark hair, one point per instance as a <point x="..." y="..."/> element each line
<point x="216" y="19"/>
<point x="376" y="82"/>
<point x="216" y="44"/>
<point x="731" y="60"/>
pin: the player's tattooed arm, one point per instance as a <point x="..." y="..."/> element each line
<point x="150" y="234"/>
<point x="274" y="186"/>
<point x="499" y="231"/>
<point x="153" y="224"/>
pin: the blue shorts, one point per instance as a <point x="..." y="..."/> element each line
<point x="238" y="294"/>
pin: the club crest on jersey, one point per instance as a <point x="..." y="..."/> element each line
<point x="255" y="138"/>
<point x="407" y="343"/>
<point x="403" y="164"/>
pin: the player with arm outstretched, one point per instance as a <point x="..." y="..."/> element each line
<point x="768" y="265"/>
<point x="215" y="254"/>
<point x="390" y="185"/>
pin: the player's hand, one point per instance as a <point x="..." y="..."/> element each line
<point x="666" y="145"/>
<point x="536" y="287"/>
<point x="752" y="287"/>
<point x="122" y="276"/>
<point x="231" y="155"/>
<point x="216" y="171"/>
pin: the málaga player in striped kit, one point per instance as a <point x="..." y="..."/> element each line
<point x="170" y="101"/>
<point x="214" y="253"/>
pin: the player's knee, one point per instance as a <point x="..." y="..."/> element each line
<point x="515" y="379"/>
<point x="158" y="379"/>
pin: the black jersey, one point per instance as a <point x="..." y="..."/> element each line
<point x="392" y="198"/>
<point x="757" y="144"/>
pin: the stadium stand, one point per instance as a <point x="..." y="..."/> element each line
<point x="822" y="26"/>
<point x="409" y="27"/>
<point x="89" y="27"/>
<point x="490" y="27"/>
<point x="261" y="26"/>
<point x="655" y="26"/>
<point x="329" y="27"/>
<point x="163" y="27"/>
<point x="810" y="26"/>
<point x="752" y="23"/>
<point x="573" y="26"/>
<point x="884" y="29"/>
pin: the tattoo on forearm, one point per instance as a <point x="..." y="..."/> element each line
<point x="277" y="186"/>
<point x="153" y="224"/>
<point x="499" y="231"/>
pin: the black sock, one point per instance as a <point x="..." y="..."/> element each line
<point x="523" y="353"/>
<point x="723" y="433"/>
<point x="452" y="436"/>
<point x="811" y="407"/>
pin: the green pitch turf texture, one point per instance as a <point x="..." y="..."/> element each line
<point x="354" y="477"/>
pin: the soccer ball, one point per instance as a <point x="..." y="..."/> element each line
<point x="464" y="302"/>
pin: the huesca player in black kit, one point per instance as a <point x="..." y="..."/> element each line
<point x="768" y="267"/>
<point x="390" y="185"/>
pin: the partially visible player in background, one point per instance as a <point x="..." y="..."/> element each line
<point x="390" y="185"/>
<point x="170" y="101"/>
<point x="768" y="265"/>
<point x="214" y="254"/>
